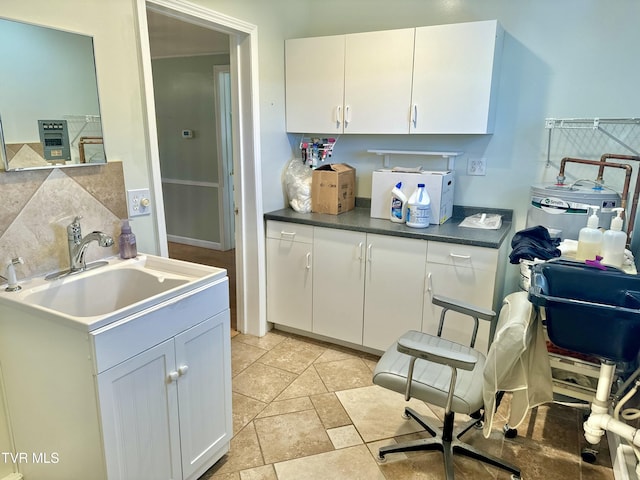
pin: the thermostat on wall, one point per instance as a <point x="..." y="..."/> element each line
<point x="187" y="133"/>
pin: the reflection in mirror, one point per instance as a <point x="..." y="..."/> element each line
<point x="49" y="109"/>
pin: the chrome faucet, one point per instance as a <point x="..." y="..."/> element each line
<point x="78" y="245"/>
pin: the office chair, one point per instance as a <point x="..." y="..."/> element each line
<point x="449" y="375"/>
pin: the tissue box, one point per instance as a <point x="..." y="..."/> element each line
<point x="333" y="188"/>
<point x="439" y="186"/>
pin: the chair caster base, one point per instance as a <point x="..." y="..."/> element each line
<point x="381" y="459"/>
<point x="509" y="432"/>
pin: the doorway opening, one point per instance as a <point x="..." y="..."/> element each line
<point x="239" y="209"/>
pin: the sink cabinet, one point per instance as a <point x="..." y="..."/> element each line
<point x="145" y="397"/>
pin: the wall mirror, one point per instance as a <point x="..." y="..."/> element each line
<point x="49" y="108"/>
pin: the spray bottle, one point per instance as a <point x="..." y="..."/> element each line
<point x="398" y="204"/>
<point x="590" y="238"/>
<point x="614" y="241"/>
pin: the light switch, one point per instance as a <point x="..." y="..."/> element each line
<point x="139" y="202"/>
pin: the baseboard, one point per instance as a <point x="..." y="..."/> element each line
<point x="194" y="242"/>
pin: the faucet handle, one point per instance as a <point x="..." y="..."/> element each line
<point x="74" y="230"/>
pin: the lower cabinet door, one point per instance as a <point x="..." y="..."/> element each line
<point x="203" y="365"/>
<point x="394" y="288"/>
<point x="338" y="279"/>
<point x="289" y="287"/>
<point x="139" y="408"/>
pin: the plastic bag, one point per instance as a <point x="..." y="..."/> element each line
<point x="297" y="183"/>
<point x="483" y="220"/>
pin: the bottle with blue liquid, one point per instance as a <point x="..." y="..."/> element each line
<point x="398" y="211"/>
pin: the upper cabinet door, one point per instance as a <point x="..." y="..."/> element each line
<point x="377" y="82"/>
<point x="454" y="79"/>
<point x="314" y="79"/>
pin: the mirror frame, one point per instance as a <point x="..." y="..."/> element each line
<point x="84" y="132"/>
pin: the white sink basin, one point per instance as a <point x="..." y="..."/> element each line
<point x="105" y="294"/>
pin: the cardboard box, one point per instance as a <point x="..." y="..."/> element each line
<point x="333" y="188"/>
<point x="439" y="186"/>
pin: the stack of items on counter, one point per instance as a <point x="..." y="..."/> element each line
<point x="412" y="196"/>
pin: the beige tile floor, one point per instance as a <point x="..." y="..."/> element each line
<point x="306" y="410"/>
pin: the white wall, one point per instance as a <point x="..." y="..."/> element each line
<point x="113" y="27"/>
<point x="561" y="59"/>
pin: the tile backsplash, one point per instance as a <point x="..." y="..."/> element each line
<point x="37" y="206"/>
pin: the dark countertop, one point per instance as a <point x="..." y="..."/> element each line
<point x="359" y="219"/>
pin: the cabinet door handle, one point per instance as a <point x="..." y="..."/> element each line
<point x="182" y="370"/>
<point x="359" y="251"/>
<point x="308" y="265"/>
<point x="338" y="115"/>
<point x="347" y="115"/>
<point x="284" y="233"/>
<point x="429" y="284"/>
<point x="369" y="250"/>
<point x="173" y="376"/>
<point x="414" y="113"/>
<point x="457" y="255"/>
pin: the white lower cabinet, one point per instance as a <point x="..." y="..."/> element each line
<point x="338" y="279"/>
<point x="466" y="273"/>
<point x="394" y="288"/>
<point x="290" y="285"/>
<point x="156" y="407"/>
<point x="368" y="289"/>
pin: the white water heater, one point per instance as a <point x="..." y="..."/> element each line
<point x="564" y="209"/>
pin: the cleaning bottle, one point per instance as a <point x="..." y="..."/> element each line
<point x="590" y="238"/>
<point x="419" y="208"/>
<point x="127" y="241"/>
<point x="614" y="241"/>
<point x="398" y="212"/>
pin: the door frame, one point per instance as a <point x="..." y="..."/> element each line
<point x="249" y="224"/>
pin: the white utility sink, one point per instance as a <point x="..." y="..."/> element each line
<point x="99" y="296"/>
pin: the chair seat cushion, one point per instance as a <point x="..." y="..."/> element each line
<point x="431" y="380"/>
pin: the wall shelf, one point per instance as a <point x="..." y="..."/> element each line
<point x="449" y="156"/>
<point x="595" y="134"/>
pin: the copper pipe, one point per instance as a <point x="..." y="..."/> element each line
<point x="636" y="192"/>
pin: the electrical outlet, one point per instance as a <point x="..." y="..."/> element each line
<point x="477" y="166"/>
<point x="139" y="202"/>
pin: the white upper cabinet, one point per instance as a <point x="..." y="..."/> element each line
<point x="437" y="79"/>
<point x="455" y="75"/>
<point x="314" y="75"/>
<point x="356" y="83"/>
<point x="377" y="81"/>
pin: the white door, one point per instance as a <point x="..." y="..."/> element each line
<point x="139" y="407"/>
<point x="314" y="76"/>
<point x="202" y="361"/>
<point x="338" y="279"/>
<point x="394" y="288"/>
<point x="226" y="204"/>
<point x="452" y="79"/>
<point x="377" y="82"/>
